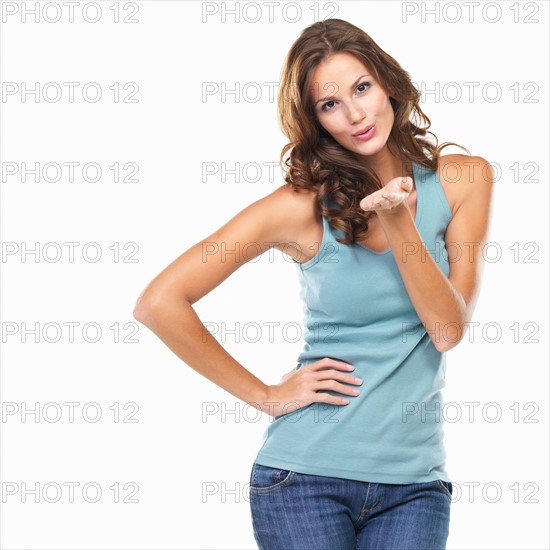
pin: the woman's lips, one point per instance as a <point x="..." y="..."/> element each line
<point x="367" y="135"/>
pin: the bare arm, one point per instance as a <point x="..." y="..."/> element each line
<point x="446" y="304"/>
<point x="179" y="327"/>
<point x="165" y="306"/>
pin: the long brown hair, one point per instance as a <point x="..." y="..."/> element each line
<point x="316" y="161"/>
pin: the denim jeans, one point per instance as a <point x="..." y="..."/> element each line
<point x="294" y="511"/>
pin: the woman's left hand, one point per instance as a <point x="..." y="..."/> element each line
<point x="390" y="197"/>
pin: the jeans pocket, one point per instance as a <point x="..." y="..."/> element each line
<point x="446" y="487"/>
<point x="266" y="478"/>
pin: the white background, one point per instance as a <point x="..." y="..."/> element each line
<point x="170" y="452"/>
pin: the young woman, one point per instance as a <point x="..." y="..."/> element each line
<point x="386" y="234"/>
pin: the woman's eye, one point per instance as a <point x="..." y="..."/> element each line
<point x="324" y="107"/>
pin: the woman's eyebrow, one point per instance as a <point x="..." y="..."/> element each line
<point x="352" y="86"/>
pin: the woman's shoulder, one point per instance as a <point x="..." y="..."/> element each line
<point x="465" y="163"/>
<point x="292" y="214"/>
<point x="296" y="206"/>
<point x="458" y="173"/>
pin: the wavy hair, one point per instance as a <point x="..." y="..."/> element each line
<point x="316" y="161"/>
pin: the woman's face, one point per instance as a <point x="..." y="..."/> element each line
<point x="347" y="99"/>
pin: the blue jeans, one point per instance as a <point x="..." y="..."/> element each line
<point x="293" y="511"/>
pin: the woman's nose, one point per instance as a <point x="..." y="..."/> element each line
<point x="355" y="113"/>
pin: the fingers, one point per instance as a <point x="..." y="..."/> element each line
<point x="330" y="399"/>
<point x="384" y="198"/>
<point x="332" y="385"/>
<point x="330" y="375"/>
<point x="384" y="203"/>
<point x="406" y="184"/>
<point x="328" y="363"/>
<point x="380" y="204"/>
<point x="388" y="200"/>
<point x="338" y="375"/>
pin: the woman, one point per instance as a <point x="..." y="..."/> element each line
<point x="369" y="212"/>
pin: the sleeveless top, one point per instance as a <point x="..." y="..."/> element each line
<point x="357" y="310"/>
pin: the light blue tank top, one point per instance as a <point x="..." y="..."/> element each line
<point x="357" y="310"/>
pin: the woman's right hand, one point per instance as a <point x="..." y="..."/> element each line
<point x="300" y="387"/>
